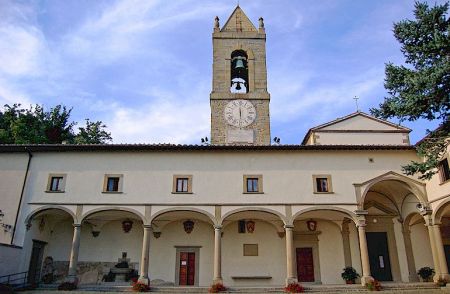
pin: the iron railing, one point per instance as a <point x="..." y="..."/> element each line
<point x="19" y="280"/>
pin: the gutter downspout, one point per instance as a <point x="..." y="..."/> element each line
<point x="21" y="194"/>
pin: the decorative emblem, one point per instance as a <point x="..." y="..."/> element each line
<point x="312" y="225"/>
<point x="156" y="234"/>
<point x="188" y="226"/>
<point x="127" y="225"/>
<point x="250" y="226"/>
<point x="95" y="234"/>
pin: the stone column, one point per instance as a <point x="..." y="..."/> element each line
<point x="409" y="254"/>
<point x="73" y="262"/>
<point x="443" y="269"/>
<point x="364" y="252"/>
<point x="143" y="276"/>
<point x="434" y="253"/>
<point x="217" y="254"/>
<point x="291" y="275"/>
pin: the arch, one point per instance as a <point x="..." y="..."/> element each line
<point x="192" y="209"/>
<point x="351" y="215"/>
<point x="261" y="209"/>
<point x="118" y="208"/>
<point x="407" y="220"/>
<point x="439" y="210"/>
<point x="277" y="229"/>
<point x="242" y="47"/>
<point x="48" y="207"/>
<point x="410" y="184"/>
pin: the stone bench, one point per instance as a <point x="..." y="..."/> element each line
<point x="247" y="277"/>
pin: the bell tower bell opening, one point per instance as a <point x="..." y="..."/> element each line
<point x="239" y="72"/>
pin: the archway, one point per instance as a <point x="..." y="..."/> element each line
<point x="326" y="241"/>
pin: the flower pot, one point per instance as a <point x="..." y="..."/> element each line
<point x="349" y="282"/>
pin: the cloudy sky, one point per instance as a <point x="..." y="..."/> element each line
<point x="144" y="66"/>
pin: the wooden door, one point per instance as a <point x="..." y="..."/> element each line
<point x="380" y="265"/>
<point x="305" y="265"/>
<point x="34" y="270"/>
<point x="187" y="268"/>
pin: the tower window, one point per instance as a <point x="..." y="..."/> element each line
<point x="239" y="72"/>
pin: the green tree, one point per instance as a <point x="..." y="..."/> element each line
<point x="37" y="126"/>
<point x="420" y="89"/>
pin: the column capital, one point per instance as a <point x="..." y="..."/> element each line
<point x="147" y="226"/>
<point x="288" y="227"/>
<point x="217" y="227"/>
<point x="76" y="225"/>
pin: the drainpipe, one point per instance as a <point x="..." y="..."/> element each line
<point x="21" y="194"/>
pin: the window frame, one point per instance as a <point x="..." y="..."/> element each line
<point x="106" y="181"/>
<point x="444" y="175"/>
<point x="260" y="184"/>
<point x="175" y="184"/>
<point x="62" y="183"/>
<point x="329" y="184"/>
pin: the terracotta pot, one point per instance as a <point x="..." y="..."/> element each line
<point x="349" y="282"/>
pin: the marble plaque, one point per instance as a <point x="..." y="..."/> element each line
<point x="240" y="136"/>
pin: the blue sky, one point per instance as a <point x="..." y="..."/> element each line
<point x="144" y="66"/>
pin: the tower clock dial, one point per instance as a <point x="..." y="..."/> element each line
<point x="240" y="113"/>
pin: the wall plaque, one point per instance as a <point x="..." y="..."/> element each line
<point x="240" y="136"/>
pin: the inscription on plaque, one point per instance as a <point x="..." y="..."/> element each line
<point x="240" y="136"/>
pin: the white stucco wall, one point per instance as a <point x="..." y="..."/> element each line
<point x="421" y="246"/>
<point x="9" y="260"/>
<point x="349" y="138"/>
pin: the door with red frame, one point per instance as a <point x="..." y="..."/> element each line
<point x="305" y="265"/>
<point x="187" y="268"/>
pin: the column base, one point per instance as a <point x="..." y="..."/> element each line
<point x="72" y="279"/>
<point x="218" y="281"/>
<point x="441" y="276"/>
<point x="413" y="278"/>
<point x="366" y="279"/>
<point x="291" y="280"/>
<point x="144" y="280"/>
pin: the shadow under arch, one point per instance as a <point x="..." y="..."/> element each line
<point x="188" y="209"/>
<point x="439" y="211"/>
<point x="258" y="209"/>
<point x="50" y="207"/>
<point x="349" y="214"/>
<point x="113" y="208"/>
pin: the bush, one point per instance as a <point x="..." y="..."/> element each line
<point x="373" y="285"/>
<point x="67" y="286"/>
<point x="426" y="273"/>
<point x="141" y="287"/>
<point x="294" y="288"/>
<point x="217" y="288"/>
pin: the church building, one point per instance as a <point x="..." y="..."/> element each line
<point x="240" y="210"/>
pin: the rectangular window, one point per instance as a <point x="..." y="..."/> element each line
<point x="56" y="183"/>
<point x="241" y="226"/>
<point x="253" y="184"/>
<point x="444" y="170"/>
<point x="182" y="184"/>
<point x="322" y="184"/>
<point x="113" y="183"/>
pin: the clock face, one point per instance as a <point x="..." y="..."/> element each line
<point x="240" y="113"/>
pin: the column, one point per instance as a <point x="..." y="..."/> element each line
<point x="143" y="276"/>
<point x="364" y="252"/>
<point x="73" y="262"/>
<point x="443" y="270"/>
<point x="217" y="254"/>
<point x="433" y="250"/>
<point x="290" y="264"/>
<point x="409" y="254"/>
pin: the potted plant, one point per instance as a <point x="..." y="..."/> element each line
<point x="217" y="288"/>
<point x="294" y="288"/>
<point x="426" y="274"/>
<point x="373" y="285"/>
<point x="349" y="274"/>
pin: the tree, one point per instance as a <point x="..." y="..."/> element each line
<point x="37" y="126"/>
<point x="421" y="87"/>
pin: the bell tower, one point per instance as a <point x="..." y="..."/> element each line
<point x="239" y="98"/>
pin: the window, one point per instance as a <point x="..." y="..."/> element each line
<point x="241" y="226"/>
<point x="322" y="184"/>
<point x="182" y="184"/>
<point x="253" y="184"/>
<point x="444" y="170"/>
<point x="113" y="184"/>
<point x="56" y="183"/>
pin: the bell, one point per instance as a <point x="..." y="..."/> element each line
<point x="239" y="63"/>
<point x="238" y="87"/>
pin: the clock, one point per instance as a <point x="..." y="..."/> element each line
<point x="240" y="113"/>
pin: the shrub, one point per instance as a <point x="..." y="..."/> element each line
<point x="140" y="287"/>
<point x="373" y="285"/>
<point x="217" y="288"/>
<point x="67" y="286"/>
<point x="426" y="273"/>
<point x="441" y="282"/>
<point x="294" y="288"/>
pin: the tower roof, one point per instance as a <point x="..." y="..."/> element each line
<point x="238" y="22"/>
